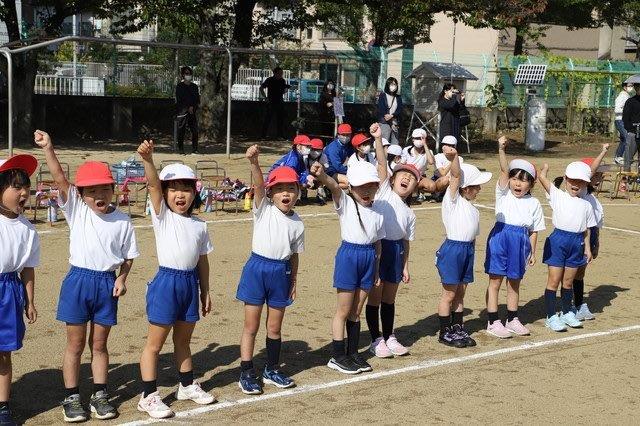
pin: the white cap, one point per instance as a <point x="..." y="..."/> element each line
<point x="394" y="150"/>
<point x="449" y="140"/>
<point x="419" y="133"/>
<point x="578" y="170"/>
<point x="385" y="142"/>
<point x="472" y="176"/>
<point x="521" y="164"/>
<point x="361" y="173"/>
<point x="177" y="171"/>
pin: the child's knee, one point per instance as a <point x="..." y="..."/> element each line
<point x="251" y="328"/>
<point x="273" y="328"/>
<point x="99" y="346"/>
<point x="75" y="346"/>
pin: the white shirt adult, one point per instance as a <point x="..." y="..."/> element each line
<point x="180" y="240"/>
<point x="370" y="157"/>
<point x="276" y="235"/>
<point x="461" y="219"/>
<point x="100" y="242"/>
<point x="598" y="211"/>
<point x="367" y="230"/>
<point x="571" y="214"/>
<point x="621" y="99"/>
<point x="410" y="155"/>
<point x="399" y="220"/>
<point x="20" y="244"/>
<point x="524" y="211"/>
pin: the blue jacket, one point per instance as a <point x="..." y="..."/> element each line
<point x="383" y="108"/>
<point x="296" y="162"/>
<point x="337" y="154"/>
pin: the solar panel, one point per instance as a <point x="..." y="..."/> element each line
<point x="530" y="75"/>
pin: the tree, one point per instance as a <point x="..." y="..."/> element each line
<point x="620" y="13"/>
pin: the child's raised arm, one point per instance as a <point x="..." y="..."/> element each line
<point x="456" y="173"/>
<point x="504" y="164"/>
<point x="318" y="171"/>
<point x="253" y="152"/>
<point x="544" y="180"/>
<point x="43" y="140"/>
<point x="151" y="173"/>
<point x="599" y="158"/>
<point x="376" y="132"/>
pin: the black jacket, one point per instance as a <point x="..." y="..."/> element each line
<point x="631" y="113"/>
<point x="187" y="95"/>
<point x="449" y="116"/>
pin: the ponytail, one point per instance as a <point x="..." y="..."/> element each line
<point x="358" y="212"/>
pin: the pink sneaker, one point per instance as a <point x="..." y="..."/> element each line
<point x="379" y="348"/>
<point x="516" y="327"/>
<point x="498" y="330"/>
<point x="396" y="347"/>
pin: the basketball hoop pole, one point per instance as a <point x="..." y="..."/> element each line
<point x="453" y="50"/>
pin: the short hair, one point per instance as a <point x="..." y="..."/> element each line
<point x="14" y="177"/>
<point x="277" y="70"/>
<point x="184" y="70"/>
<point x="197" y="201"/>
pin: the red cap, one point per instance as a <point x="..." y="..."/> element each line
<point x="91" y="173"/>
<point x="302" y="140"/>
<point x="344" y="129"/>
<point x="25" y="162"/>
<point x="588" y="161"/>
<point x="317" y="144"/>
<point x="282" y="174"/>
<point x="409" y="168"/>
<point x="359" y="139"/>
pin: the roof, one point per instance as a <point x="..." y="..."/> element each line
<point x="442" y="70"/>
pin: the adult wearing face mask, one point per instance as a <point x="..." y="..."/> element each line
<point x="297" y="159"/>
<point x="337" y="152"/>
<point x="326" y="106"/>
<point x="631" y="118"/>
<point x="449" y="103"/>
<point x="389" y="111"/>
<point x="624" y="95"/>
<point x="187" y="102"/>
<point x="418" y="153"/>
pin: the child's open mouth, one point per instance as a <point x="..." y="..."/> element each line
<point x="181" y="203"/>
<point x="22" y="203"/>
<point x="100" y="204"/>
<point x="286" y="201"/>
<point x="404" y="185"/>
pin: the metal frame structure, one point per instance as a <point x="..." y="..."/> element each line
<point x="8" y="52"/>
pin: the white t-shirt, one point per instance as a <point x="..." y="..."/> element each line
<point x="276" y="235"/>
<point x="100" y="242"/>
<point x="441" y="161"/>
<point x="461" y="219"/>
<point x="371" y="157"/>
<point x="350" y="228"/>
<point x="399" y="220"/>
<point x="571" y="214"/>
<point x="621" y="99"/>
<point x="598" y="211"/>
<point x="20" y="244"/>
<point x="180" y="240"/>
<point x="419" y="161"/>
<point x="524" y="211"/>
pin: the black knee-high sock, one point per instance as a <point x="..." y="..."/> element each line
<point x="387" y="314"/>
<point x="456" y="318"/>
<point x="445" y="322"/>
<point x="273" y="352"/>
<point x="550" y="302"/>
<point x="578" y="292"/>
<point x="371" y="312"/>
<point x="338" y="348"/>
<point x="186" y="378"/>
<point x="149" y="387"/>
<point x="353" y="336"/>
<point x="567" y="297"/>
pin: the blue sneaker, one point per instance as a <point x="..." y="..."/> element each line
<point x="276" y="378"/>
<point x="249" y="383"/>
<point x="555" y="323"/>
<point x="5" y="417"/>
<point x="570" y="319"/>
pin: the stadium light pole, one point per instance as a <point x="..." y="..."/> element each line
<point x="7" y="54"/>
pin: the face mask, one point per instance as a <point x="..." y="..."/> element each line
<point x="344" y="139"/>
<point x="418" y="143"/>
<point x="188" y="77"/>
<point x="365" y="149"/>
<point x="582" y="192"/>
<point x="305" y="150"/>
<point x="393" y="88"/>
<point x="314" y="155"/>
<point x="330" y="86"/>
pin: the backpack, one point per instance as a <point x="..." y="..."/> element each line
<point x="465" y="116"/>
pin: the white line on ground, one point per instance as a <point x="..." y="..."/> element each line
<point x="424" y="365"/>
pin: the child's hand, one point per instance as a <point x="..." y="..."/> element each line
<point x="205" y="302"/>
<point x="146" y="150"/>
<point x="532" y="259"/>
<point x="42" y="139"/>
<point x="292" y="290"/>
<point x="406" y="278"/>
<point x="453" y="151"/>
<point x="605" y="147"/>
<point x="252" y="152"/>
<point x="32" y="314"/>
<point x="588" y="255"/>
<point x="119" y="288"/>
<point x="545" y="169"/>
<point x="375" y="130"/>
<point x="316" y="169"/>
<point x="502" y="142"/>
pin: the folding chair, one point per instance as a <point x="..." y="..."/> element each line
<point x="45" y="185"/>
<point x="213" y="178"/>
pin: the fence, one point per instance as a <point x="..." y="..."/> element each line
<point x="62" y="85"/>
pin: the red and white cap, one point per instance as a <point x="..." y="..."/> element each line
<point x="282" y="174"/>
<point x="177" y="171"/>
<point x="302" y="140"/>
<point x="25" y="162"/>
<point x="394" y="150"/>
<point x="408" y="168"/>
<point x="359" y="139"/>
<point x="449" y="140"/>
<point x="344" y="129"/>
<point x="578" y="170"/>
<point x="317" y="144"/>
<point x="361" y="173"/>
<point x="521" y="164"/>
<point x="92" y="173"/>
<point x="472" y="176"/>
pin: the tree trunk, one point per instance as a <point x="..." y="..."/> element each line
<point x="518" y="47"/>
<point x="25" y="67"/>
<point x="638" y="52"/>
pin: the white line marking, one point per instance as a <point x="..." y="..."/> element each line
<point x="424" y="365"/>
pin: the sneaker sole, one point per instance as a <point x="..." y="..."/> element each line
<point x="271" y="382"/>
<point x="491" y="333"/>
<point x="206" y="401"/>
<point x="519" y="334"/>
<point x="102" y="416"/>
<point x="561" y="330"/>
<point x="74" y="419"/>
<point x="573" y="326"/>
<point x="365" y="369"/>
<point x="452" y="345"/>
<point x="400" y="353"/>
<point x="336" y="367"/>
<point x="246" y="392"/>
<point x="373" y="352"/>
<point x="156" y="416"/>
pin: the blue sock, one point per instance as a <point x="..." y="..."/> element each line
<point x="550" y="302"/>
<point x="567" y="298"/>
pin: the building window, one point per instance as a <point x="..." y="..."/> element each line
<point x="631" y="33"/>
<point x="330" y="35"/>
<point x="309" y="33"/>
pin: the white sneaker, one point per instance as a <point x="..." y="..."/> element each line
<point x="619" y="160"/>
<point x="195" y="393"/>
<point x="583" y="313"/>
<point x="154" y="406"/>
<point x="570" y="319"/>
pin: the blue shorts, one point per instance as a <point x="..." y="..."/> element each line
<point x="392" y="261"/>
<point x="594" y="237"/>
<point x="12" y="302"/>
<point x="508" y="251"/>
<point x="87" y="295"/>
<point x="265" y="280"/>
<point x="173" y="295"/>
<point x="355" y="267"/>
<point x="454" y="260"/>
<point x="564" y="249"/>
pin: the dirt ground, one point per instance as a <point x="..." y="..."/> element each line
<point x="589" y="380"/>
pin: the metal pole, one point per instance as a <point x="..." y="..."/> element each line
<point x="7" y="55"/>
<point x="229" y="81"/>
<point x="453" y="50"/>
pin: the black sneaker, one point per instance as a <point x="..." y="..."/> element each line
<point x="100" y="407"/>
<point x="462" y="334"/>
<point x="450" y="339"/>
<point x="320" y="201"/>
<point x="5" y="417"/>
<point x="73" y="410"/>
<point x="343" y="364"/>
<point x="363" y="365"/>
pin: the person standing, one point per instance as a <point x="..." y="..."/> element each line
<point x="327" y="116"/>
<point x="187" y="102"/>
<point x="389" y="111"/>
<point x="449" y="103"/>
<point x="630" y="119"/>
<point x="276" y="88"/>
<point x="621" y="99"/>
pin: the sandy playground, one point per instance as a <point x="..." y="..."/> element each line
<point x="589" y="375"/>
